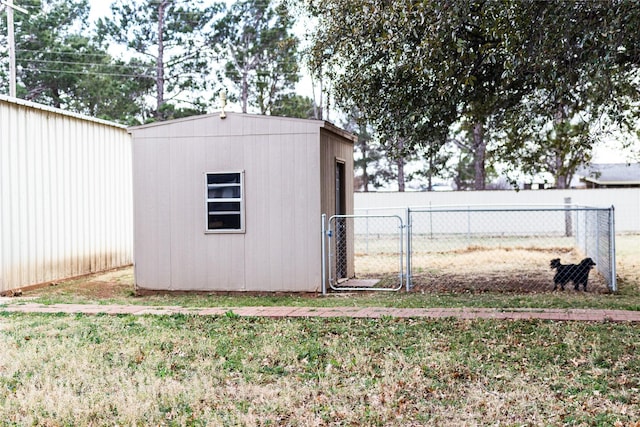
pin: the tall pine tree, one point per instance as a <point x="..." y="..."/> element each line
<point x="255" y="42"/>
<point x="169" y="35"/>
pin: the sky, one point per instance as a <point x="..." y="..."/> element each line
<point x="610" y="152"/>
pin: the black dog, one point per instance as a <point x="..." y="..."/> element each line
<point x="576" y="273"/>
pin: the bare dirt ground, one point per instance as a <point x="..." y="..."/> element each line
<point x="475" y="269"/>
<point x="513" y="270"/>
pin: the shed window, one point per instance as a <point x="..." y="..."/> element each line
<point x="225" y="202"/>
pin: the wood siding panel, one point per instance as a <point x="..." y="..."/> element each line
<point x="333" y="147"/>
<point x="280" y="209"/>
<point x="152" y="213"/>
<point x="280" y="157"/>
<point x="225" y="252"/>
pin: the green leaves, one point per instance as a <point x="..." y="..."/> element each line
<point x="417" y="69"/>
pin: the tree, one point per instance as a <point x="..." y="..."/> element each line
<point x="59" y="64"/>
<point x="48" y="60"/>
<point x="434" y="166"/>
<point x="585" y="76"/>
<point x="292" y="105"/>
<point x="368" y="157"/>
<point x="419" y="67"/>
<point x="255" y="39"/>
<point x="168" y="34"/>
<point x="113" y="90"/>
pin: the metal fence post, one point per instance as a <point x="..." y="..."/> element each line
<point x="596" y="250"/>
<point x="366" y="212"/>
<point x="409" y="237"/>
<point x="567" y="217"/>
<point x="323" y="244"/>
<point x="612" y="249"/>
<point x="468" y="225"/>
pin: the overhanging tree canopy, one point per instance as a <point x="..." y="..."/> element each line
<point x="416" y="68"/>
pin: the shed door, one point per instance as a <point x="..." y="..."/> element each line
<point x="341" y="223"/>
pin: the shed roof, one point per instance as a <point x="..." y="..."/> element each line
<point x="319" y="123"/>
<point x="611" y="173"/>
<point x="42" y="107"/>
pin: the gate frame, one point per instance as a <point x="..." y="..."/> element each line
<point x="327" y="233"/>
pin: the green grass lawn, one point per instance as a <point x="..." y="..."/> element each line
<point x="226" y="370"/>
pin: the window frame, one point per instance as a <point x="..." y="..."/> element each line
<point x="208" y="200"/>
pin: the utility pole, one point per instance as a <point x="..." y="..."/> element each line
<point x="12" y="44"/>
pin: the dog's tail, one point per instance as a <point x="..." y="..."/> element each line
<point x="555" y="263"/>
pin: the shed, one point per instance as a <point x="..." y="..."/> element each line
<point x="235" y="203"/>
<point x="67" y="207"/>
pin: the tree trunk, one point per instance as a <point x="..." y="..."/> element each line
<point x="479" y="155"/>
<point x="244" y="101"/>
<point x="561" y="179"/>
<point x="365" y="174"/>
<point x="400" y="162"/>
<point x="160" y="62"/>
<point x="430" y="174"/>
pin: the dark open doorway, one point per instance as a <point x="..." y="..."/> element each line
<point x="341" y="223"/>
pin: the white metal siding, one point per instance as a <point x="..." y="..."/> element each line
<point x="66" y="185"/>
<point x="625" y="200"/>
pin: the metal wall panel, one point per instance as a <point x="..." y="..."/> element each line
<point x="66" y="186"/>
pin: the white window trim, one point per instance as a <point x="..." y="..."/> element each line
<point x="207" y="200"/>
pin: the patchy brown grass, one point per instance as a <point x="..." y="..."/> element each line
<point x="187" y="370"/>
<point x="482" y="269"/>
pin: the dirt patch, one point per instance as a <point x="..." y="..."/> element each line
<point x="103" y="290"/>
<point x="497" y="265"/>
<point x="105" y="285"/>
<point x="481" y="269"/>
<point x="478" y="283"/>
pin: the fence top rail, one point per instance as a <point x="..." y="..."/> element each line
<point x="366" y="216"/>
<point x="506" y="208"/>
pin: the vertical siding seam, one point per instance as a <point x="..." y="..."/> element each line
<point x="54" y="209"/>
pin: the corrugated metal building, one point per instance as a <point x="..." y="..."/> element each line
<point x="236" y="204"/>
<point x="66" y="205"/>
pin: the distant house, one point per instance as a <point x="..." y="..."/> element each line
<point x="235" y="203"/>
<point x="610" y="175"/>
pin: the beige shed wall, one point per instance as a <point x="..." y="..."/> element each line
<point x="280" y="249"/>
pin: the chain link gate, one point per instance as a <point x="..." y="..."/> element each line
<point x="363" y="252"/>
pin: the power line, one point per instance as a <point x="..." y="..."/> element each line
<point x="62" y="52"/>
<point x="88" y="64"/>
<point x="95" y="73"/>
<point x="280" y="62"/>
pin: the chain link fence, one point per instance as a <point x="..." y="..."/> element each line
<point x="507" y="249"/>
<point x="477" y="248"/>
<point x="377" y="244"/>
